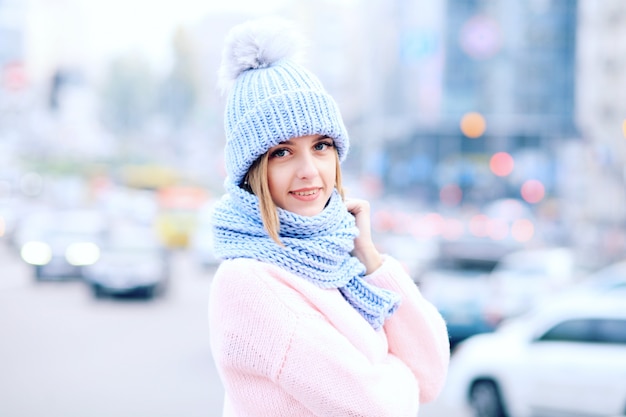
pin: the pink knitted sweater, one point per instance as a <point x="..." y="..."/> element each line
<point x="284" y="347"/>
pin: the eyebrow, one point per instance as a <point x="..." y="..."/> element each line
<point x="320" y="138"/>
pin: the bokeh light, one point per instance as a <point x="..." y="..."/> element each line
<point x="382" y="221"/>
<point x="533" y="191"/>
<point x="473" y="125"/>
<point x="14" y="76"/>
<point x="501" y="164"/>
<point x="498" y="229"/>
<point x="481" y="37"/>
<point x="401" y="221"/>
<point x="453" y="229"/>
<point x="451" y="194"/>
<point x="430" y="225"/>
<point x="522" y="230"/>
<point x="479" y="225"/>
<point x="624" y="128"/>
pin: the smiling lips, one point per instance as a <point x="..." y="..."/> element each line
<point x="307" y="194"/>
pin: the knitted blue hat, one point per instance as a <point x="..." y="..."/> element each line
<point x="271" y="97"/>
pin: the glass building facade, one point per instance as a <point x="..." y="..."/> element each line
<point x="514" y="62"/>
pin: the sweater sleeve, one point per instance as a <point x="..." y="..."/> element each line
<point x="416" y="332"/>
<point x="267" y="332"/>
<point x="332" y="378"/>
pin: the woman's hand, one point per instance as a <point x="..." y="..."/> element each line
<point x="364" y="248"/>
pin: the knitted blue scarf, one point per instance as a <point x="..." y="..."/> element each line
<point x="316" y="248"/>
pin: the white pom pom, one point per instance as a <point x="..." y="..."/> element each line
<point x="257" y="44"/>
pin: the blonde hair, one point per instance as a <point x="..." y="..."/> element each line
<point x="256" y="182"/>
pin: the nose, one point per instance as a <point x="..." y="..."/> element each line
<point x="307" y="166"/>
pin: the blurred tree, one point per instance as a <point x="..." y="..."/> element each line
<point x="128" y="96"/>
<point x="178" y="92"/>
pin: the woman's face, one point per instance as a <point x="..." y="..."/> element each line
<point x="301" y="174"/>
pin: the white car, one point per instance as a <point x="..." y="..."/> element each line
<point x="611" y="278"/>
<point x="523" y="279"/>
<point x="566" y="358"/>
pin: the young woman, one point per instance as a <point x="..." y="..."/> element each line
<point x="307" y="318"/>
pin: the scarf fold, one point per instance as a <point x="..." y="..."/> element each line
<point x="316" y="248"/>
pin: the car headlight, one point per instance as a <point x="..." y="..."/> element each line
<point x="82" y="253"/>
<point x="36" y="253"/>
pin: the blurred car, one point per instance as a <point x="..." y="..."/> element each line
<point x="476" y="289"/>
<point x="201" y="241"/>
<point x="611" y="278"/>
<point x="59" y="243"/>
<point x="524" y="278"/>
<point x="458" y="287"/>
<point x="414" y="254"/>
<point x="566" y="357"/>
<point x="131" y="262"/>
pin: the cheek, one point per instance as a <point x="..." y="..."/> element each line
<point x="275" y="180"/>
<point x="330" y="170"/>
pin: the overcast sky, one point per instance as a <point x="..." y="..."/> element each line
<point x="89" y="32"/>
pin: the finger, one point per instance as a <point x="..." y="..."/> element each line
<point x="352" y="205"/>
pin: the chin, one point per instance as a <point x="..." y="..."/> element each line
<point x="308" y="211"/>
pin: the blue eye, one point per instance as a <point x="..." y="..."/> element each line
<point x="279" y="153"/>
<point x="320" y="146"/>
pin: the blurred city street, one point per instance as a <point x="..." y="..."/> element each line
<point x="487" y="136"/>
<point x="64" y="353"/>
